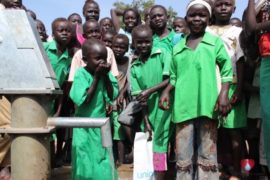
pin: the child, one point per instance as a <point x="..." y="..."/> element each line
<point x="236" y="22"/>
<point x="179" y="25"/>
<point x="93" y="87"/>
<point x="120" y="47"/>
<point x="32" y="14"/>
<point x="106" y="24"/>
<point x="57" y="51"/>
<point x="236" y="120"/>
<point x="75" y="19"/>
<point x="107" y="37"/>
<point x="76" y="22"/>
<point x="130" y="17"/>
<point x="91" y="29"/>
<point x="91" y="10"/>
<point x="193" y="76"/>
<point x="41" y="30"/>
<point x="162" y="36"/>
<point x="149" y="75"/>
<point x="262" y="28"/>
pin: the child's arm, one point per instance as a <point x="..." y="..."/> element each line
<point x="109" y="87"/>
<point x="115" y="13"/>
<point x="59" y="104"/>
<point x="237" y="96"/>
<point x="143" y="96"/>
<point x="164" y="101"/>
<point x="91" y="91"/>
<point x="252" y="24"/>
<point x="223" y="105"/>
<point x="121" y="96"/>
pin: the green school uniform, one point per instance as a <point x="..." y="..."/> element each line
<point x="166" y="42"/>
<point x="60" y="64"/>
<point x="145" y="75"/>
<point x="89" y="159"/>
<point x="193" y="73"/>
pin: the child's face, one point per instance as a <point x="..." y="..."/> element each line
<point x="106" y="25"/>
<point x="130" y="20"/>
<point x="42" y="31"/>
<point x="107" y="38"/>
<point x="223" y="10"/>
<point x="147" y="16"/>
<point x="158" y="18"/>
<point x="75" y="19"/>
<point x="236" y="22"/>
<point x="92" y="30"/>
<point x="197" y="19"/>
<point x="119" y="47"/>
<point x="62" y="32"/>
<point x="179" y="26"/>
<point x="91" y="11"/>
<point x="143" y="43"/>
<point x="94" y="57"/>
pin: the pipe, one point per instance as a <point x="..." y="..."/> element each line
<point x="79" y="122"/>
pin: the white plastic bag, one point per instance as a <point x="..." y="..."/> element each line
<point x="143" y="158"/>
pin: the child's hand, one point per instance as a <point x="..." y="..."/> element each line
<point x="143" y="96"/>
<point x="147" y="128"/>
<point x="109" y="109"/>
<point x="164" y="101"/>
<point x="103" y="68"/>
<point x="120" y="100"/>
<point x="223" y="105"/>
<point x="236" y="98"/>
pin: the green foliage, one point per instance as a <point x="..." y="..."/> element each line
<point x="141" y="5"/>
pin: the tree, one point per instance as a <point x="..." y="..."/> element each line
<point x="141" y="5"/>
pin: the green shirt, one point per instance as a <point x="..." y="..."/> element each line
<point x="60" y="64"/>
<point x="145" y="75"/>
<point x="89" y="159"/>
<point x="166" y="42"/>
<point x="193" y="73"/>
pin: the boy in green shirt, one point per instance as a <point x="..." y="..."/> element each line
<point x="196" y="100"/>
<point x="149" y="75"/>
<point x="57" y="51"/>
<point x="162" y="36"/>
<point x="92" y="88"/>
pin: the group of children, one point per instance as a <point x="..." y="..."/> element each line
<point x="197" y="83"/>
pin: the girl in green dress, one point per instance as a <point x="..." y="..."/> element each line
<point x="93" y="87"/>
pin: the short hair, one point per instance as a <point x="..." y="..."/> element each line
<point x="159" y="6"/>
<point x="136" y="12"/>
<point x="73" y="14"/>
<point x="89" y="43"/>
<point x="139" y="29"/>
<point x="89" y="21"/>
<point x="32" y="14"/>
<point x="121" y="36"/>
<point x="105" y="18"/>
<point x="90" y="2"/>
<point x="57" y="20"/>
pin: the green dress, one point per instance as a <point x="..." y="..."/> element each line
<point x="145" y="75"/>
<point x="193" y="74"/>
<point x="89" y="159"/>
